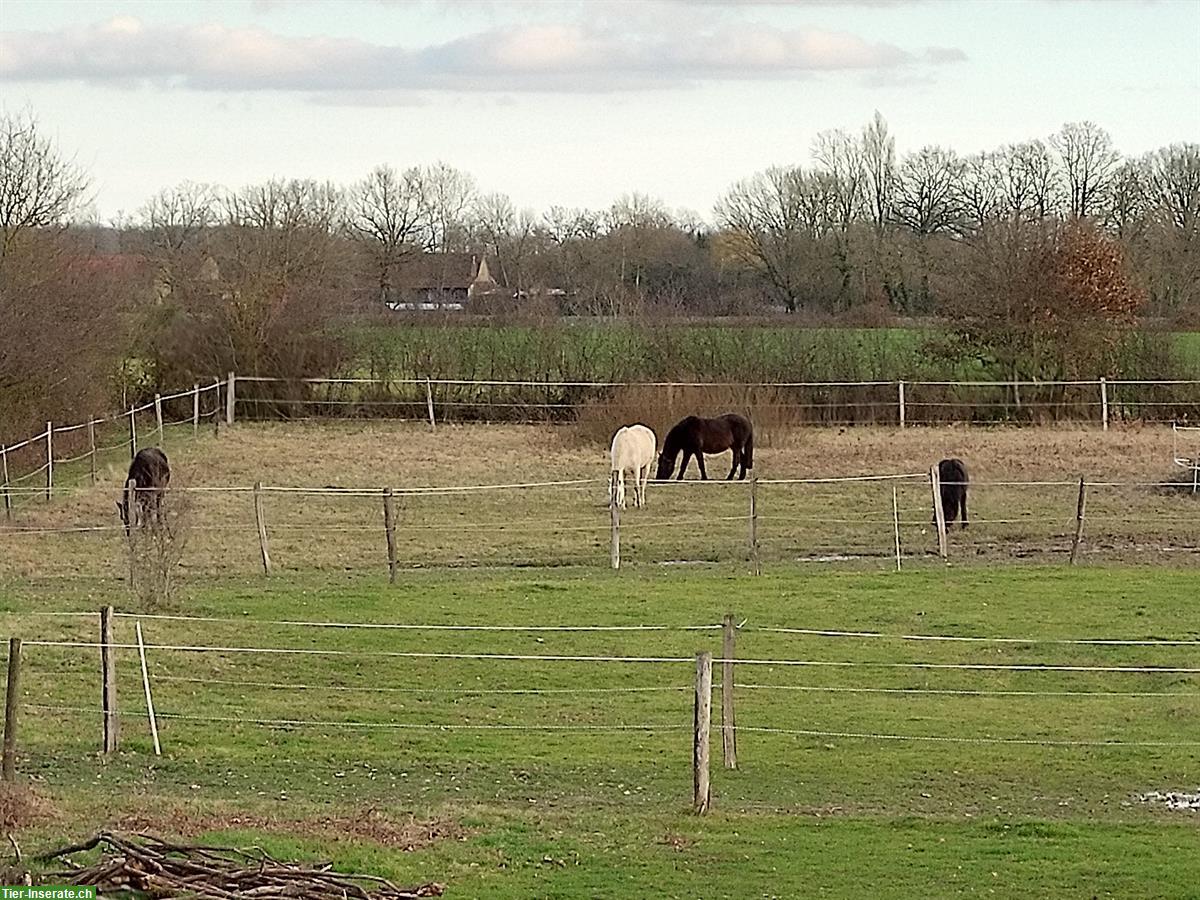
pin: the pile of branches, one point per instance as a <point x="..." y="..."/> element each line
<point x="153" y="867"/>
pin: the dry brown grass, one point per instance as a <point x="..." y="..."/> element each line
<point x="570" y="525"/>
<point x="368" y="825"/>
<point x="20" y="807"/>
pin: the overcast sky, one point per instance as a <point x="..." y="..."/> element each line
<point x="575" y="103"/>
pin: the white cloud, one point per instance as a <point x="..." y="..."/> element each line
<point x="542" y="57"/>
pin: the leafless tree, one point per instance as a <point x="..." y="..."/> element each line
<point x="1029" y="181"/>
<point x="1129" y="200"/>
<point x="927" y="188"/>
<point x="1088" y="164"/>
<point x="507" y="233"/>
<point x="765" y="218"/>
<point x="879" y="161"/>
<point x="389" y="215"/>
<point x="980" y="191"/>
<point x="449" y="193"/>
<point x="1173" y="179"/>
<point x="843" y="159"/>
<point x="176" y="216"/>
<point x="39" y="187"/>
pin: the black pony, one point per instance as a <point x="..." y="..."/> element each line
<point x="696" y="436"/>
<point x="953" y="475"/>
<point x="150" y="474"/>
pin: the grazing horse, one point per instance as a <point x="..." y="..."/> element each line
<point x="953" y="475"/>
<point x="696" y="436"/>
<point x="633" y="447"/>
<point x="150" y="474"/>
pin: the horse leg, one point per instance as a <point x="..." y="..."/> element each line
<point x="737" y="458"/>
<point x="687" y="458"/>
<point x="644" y="482"/>
<point x="700" y="463"/>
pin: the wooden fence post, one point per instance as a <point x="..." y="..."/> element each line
<point x="146" y="685"/>
<point x="728" y="722"/>
<point x="158" y="417"/>
<point x="49" y="460"/>
<point x="702" y="723"/>
<point x="429" y="404"/>
<point x="754" y="523"/>
<point x="389" y="525"/>
<point x="614" y="551"/>
<point x="108" y="681"/>
<point x="132" y="433"/>
<point x="261" y="521"/>
<point x="903" y="410"/>
<point x="195" y="408"/>
<point x="939" y="514"/>
<point x="1079" y="507"/>
<point x="216" y="413"/>
<point x="896" y="524"/>
<point x="92" y="447"/>
<point x="4" y="472"/>
<point x="12" y="700"/>
<point x="1104" y="403"/>
<point x="230" y="400"/>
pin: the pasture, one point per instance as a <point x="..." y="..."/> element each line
<point x="878" y="766"/>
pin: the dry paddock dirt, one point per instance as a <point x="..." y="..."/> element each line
<point x="1133" y="522"/>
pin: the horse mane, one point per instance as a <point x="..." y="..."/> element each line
<point x="673" y="442"/>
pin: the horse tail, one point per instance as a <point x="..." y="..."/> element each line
<point x="748" y="450"/>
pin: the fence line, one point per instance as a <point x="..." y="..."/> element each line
<point x="823" y="689"/>
<point x="902" y="400"/>
<point x="406" y="626"/>
<point x="452" y="691"/>
<point x="407" y="726"/>
<point x="555" y="657"/>
<point x="1043" y="742"/>
<point x="1120" y="642"/>
<point x="744" y="625"/>
<point x="621" y="727"/>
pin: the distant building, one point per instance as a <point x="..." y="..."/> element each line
<point x="444" y="281"/>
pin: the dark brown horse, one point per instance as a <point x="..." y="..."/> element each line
<point x="695" y="436"/>
<point x="150" y="474"/>
<point x="952" y="473"/>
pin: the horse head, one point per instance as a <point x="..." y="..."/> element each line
<point x="666" y="466"/>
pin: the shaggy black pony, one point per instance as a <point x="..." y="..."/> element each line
<point x="150" y="473"/>
<point x="695" y="436"/>
<point x="953" y="475"/>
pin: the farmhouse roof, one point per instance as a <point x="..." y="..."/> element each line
<point x="427" y="271"/>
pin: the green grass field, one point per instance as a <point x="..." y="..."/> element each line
<point x="621" y="351"/>
<point x="557" y="804"/>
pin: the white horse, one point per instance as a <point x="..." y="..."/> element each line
<point x="633" y="447"/>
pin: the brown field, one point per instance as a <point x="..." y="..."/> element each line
<point x="570" y="524"/>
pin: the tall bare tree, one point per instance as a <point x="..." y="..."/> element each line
<point x="39" y="187"/>
<point x="449" y="193"/>
<point x="1088" y="164"/>
<point x="927" y="191"/>
<point x="1029" y="181"/>
<point x="765" y="218"/>
<point x="389" y="215"/>
<point x="879" y="161"/>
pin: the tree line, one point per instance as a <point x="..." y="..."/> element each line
<point x="1039" y="256"/>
